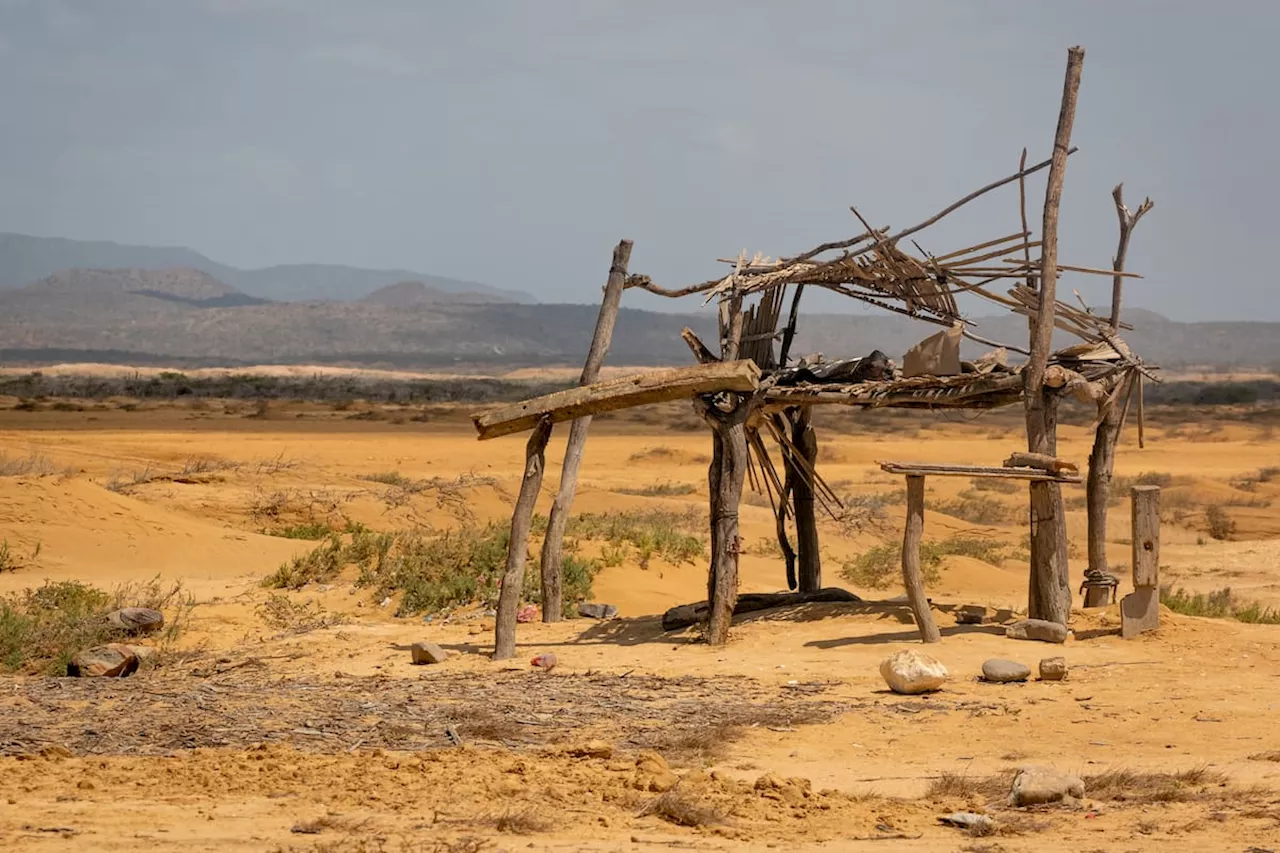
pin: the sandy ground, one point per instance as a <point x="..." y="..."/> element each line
<point x="247" y="738"/>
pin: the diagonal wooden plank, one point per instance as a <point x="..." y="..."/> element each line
<point x="659" y="386"/>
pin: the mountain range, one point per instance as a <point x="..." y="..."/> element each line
<point x="25" y="259"/>
<point x="183" y="314"/>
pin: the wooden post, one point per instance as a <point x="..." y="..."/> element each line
<point x="553" y="544"/>
<point x="805" y="440"/>
<point x="1140" y="610"/>
<point x="1049" y="596"/>
<point x="504" y="641"/>
<point x="912" y="578"/>
<point x="725" y="477"/>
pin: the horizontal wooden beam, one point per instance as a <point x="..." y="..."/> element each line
<point x="942" y="469"/>
<point x="659" y="386"/>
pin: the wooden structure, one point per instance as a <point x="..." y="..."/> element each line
<point x="1140" y="609"/>
<point x="751" y="391"/>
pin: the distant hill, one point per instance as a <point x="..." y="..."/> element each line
<point x="190" y="317"/>
<point x="407" y="294"/>
<point x="25" y="259"/>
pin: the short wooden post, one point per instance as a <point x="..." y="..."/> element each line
<point x="504" y="641"/>
<point x="912" y="577"/>
<point x="1140" y="610"/>
<point x="805" y="440"/>
<point x="553" y="544"/>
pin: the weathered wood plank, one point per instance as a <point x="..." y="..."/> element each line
<point x="912" y="578"/>
<point x="1146" y="536"/>
<point x="1042" y="461"/>
<point x="941" y="469"/>
<point x="659" y="386"/>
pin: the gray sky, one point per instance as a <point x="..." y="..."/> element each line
<point x="515" y="142"/>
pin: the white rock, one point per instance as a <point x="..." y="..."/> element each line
<point x="1035" y="786"/>
<point x="911" y="672"/>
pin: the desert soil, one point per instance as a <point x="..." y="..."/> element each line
<point x="246" y="737"/>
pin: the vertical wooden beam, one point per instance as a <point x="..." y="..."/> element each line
<point x="504" y="640"/>
<point x="1140" y="610"/>
<point x="1049" y="595"/>
<point x="912" y="577"/>
<point x="553" y="544"/>
<point x="725" y="477"/>
<point x="1146" y="535"/>
<point x="805" y="439"/>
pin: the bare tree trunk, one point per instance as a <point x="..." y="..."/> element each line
<point x="504" y="640"/>
<point x="1050" y="590"/>
<point x="725" y="477"/>
<point x="1098" y="486"/>
<point x="1103" y="458"/>
<point x="553" y="544"/>
<point x="805" y="439"/>
<point x="912" y="577"/>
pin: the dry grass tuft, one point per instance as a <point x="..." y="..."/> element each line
<point x="522" y="821"/>
<point x="682" y="809"/>
<point x="296" y="617"/>
<point x="1273" y="755"/>
<point x="962" y="786"/>
<point x="1133" y="786"/>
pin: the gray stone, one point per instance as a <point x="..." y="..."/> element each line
<point x="428" y="653"/>
<point x="1005" y="671"/>
<point x="1139" y="612"/>
<point x="911" y="672"/>
<point x="1053" y="669"/>
<point x="1035" y="786"/>
<point x="978" y="824"/>
<point x="1037" y="629"/>
<point x="597" y="611"/>
<point x="136" y="620"/>
<point x="109" y="661"/>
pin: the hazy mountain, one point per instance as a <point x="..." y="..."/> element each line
<point x="406" y="294"/>
<point x="25" y="259"/>
<point x="186" y="316"/>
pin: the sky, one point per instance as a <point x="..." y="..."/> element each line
<point x="515" y="143"/>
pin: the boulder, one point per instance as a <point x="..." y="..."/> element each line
<point x="913" y="672"/>
<point x="143" y="653"/>
<point x="136" y="620"/>
<point x="1037" y="629"/>
<point x="109" y="661"/>
<point x="1035" y="786"/>
<point x="1053" y="669"/>
<point x="1004" y="671"/>
<point x="597" y="611"/>
<point x="427" y="653"/>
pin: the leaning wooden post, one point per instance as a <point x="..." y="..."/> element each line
<point x="1140" y="610"/>
<point x="1102" y="460"/>
<point x="553" y="544"/>
<point x="1049" y="596"/>
<point x="504" y="640"/>
<point x="912" y="577"/>
<point x="805" y="440"/>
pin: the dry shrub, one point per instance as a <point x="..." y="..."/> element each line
<point x="522" y="821"/>
<point x="31" y="465"/>
<point x="698" y="745"/>
<point x="994" y="484"/>
<point x="682" y="809"/>
<point x="1133" y="786"/>
<point x="961" y="786"/>
<point x="1220" y="525"/>
<point x="296" y="617"/>
<point x="1273" y="755"/>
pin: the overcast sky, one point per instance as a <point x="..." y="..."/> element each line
<point x="515" y="142"/>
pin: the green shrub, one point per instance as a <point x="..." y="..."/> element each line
<point x="881" y="566"/>
<point x="660" y="532"/>
<point x="658" y="490"/>
<point x="318" y="566"/>
<point x="1218" y="604"/>
<point x="42" y="628"/>
<point x="311" y="530"/>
